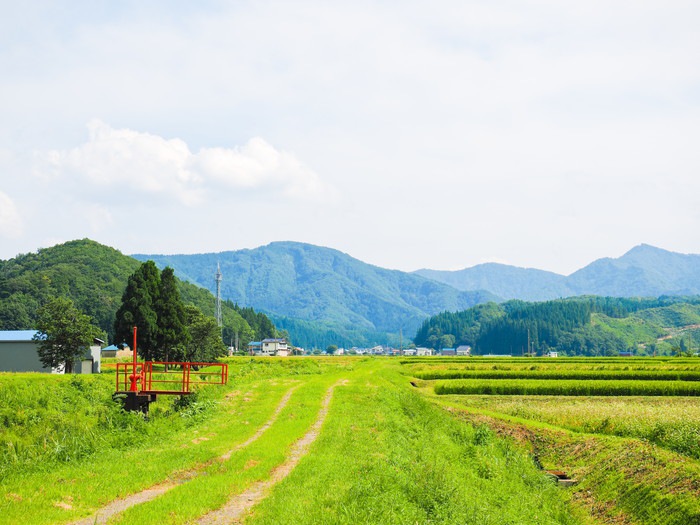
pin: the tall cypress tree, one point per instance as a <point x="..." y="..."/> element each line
<point x="173" y="335"/>
<point x="139" y="309"/>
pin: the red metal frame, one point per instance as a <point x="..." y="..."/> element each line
<point x="141" y="379"/>
<point x="160" y="377"/>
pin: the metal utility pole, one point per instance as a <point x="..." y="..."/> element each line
<point x="219" y="277"/>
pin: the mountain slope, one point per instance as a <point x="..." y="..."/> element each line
<point x="94" y="276"/>
<point x="302" y="281"/>
<point x="575" y="326"/>
<point x="644" y="271"/>
<point x="509" y="282"/>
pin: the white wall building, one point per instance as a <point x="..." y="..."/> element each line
<point x="274" y="347"/>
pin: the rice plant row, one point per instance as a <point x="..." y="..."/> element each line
<point x="559" y="374"/>
<point x="571" y="387"/>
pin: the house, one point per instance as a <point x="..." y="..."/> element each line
<point x="274" y="347"/>
<point x="377" y="350"/>
<point x="255" y="348"/>
<point x="409" y="351"/>
<point x="464" y="350"/>
<point x="448" y="351"/>
<point x="110" y="351"/>
<point x="553" y="354"/>
<point x="285" y="352"/>
<point x="424" y="351"/>
<point x="19" y="353"/>
<point x="116" y="351"/>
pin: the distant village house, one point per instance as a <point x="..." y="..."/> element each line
<point x="269" y="347"/>
<point x="464" y="350"/>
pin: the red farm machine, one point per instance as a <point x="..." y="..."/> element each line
<point x="138" y="383"/>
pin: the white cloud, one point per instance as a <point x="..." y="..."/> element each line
<point x="150" y="165"/>
<point x="539" y="132"/>
<point x="257" y="165"/>
<point x="10" y="222"/>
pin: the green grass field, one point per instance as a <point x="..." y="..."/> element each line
<point x="626" y="429"/>
<point x="389" y="450"/>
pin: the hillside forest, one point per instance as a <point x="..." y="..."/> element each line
<point x="95" y="278"/>
<point x="581" y="326"/>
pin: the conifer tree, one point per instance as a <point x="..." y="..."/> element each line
<point x="139" y="309"/>
<point x="172" y="336"/>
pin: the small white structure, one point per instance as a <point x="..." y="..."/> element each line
<point x="464" y="350"/>
<point x="409" y="351"/>
<point x="422" y="351"/>
<point x="553" y="354"/>
<point x="19" y="353"/>
<point x="274" y="347"/>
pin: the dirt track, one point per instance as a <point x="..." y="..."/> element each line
<point x="236" y="507"/>
<point x="120" y="505"/>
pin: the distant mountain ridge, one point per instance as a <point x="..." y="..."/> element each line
<point x="644" y="271"/>
<point x="322" y="295"/>
<point x="300" y="281"/>
<point x="509" y="282"/>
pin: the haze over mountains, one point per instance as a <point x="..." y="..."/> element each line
<point x="296" y="283"/>
<point x="643" y="271"/>
<point x="301" y="285"/>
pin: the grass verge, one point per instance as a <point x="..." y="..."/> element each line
<point x="388" y="456"/>
<point x="620" y="480"/>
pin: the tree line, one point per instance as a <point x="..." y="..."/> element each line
<point x="171" y="330"/>
<point x="93" y="277"/>
<point x="566" y="325"/>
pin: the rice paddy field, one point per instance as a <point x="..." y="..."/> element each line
<point x="352" y="440"/>
<point x="626" y="429"/>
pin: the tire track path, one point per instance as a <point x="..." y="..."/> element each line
<point x="235" y="508"/>
<point x="103" y="515"/>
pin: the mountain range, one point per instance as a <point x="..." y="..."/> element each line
<point x="644" y="271"/>
<point x="295" y="283"/>
<point x="319" y="293"/>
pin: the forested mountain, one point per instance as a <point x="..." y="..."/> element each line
<point x="302" y="285"/>
<point x="322" y="296"/>
<point x="644" y="271"/>
<point x="575" y="326"/>
<point x="509" y="282"/>
<point x="94" y="277"/>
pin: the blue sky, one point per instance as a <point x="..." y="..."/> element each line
<point x="407" y="134"/>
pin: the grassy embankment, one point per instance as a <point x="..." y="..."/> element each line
<point x="655" y="479"/>
<point x="384" y="455"/>
<point x="388" y="456"/>
<point x="74" y="450"/>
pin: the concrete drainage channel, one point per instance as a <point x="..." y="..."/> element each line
<point x="562" y="478"/>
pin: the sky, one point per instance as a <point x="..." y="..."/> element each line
<point x="409" y="134"/>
